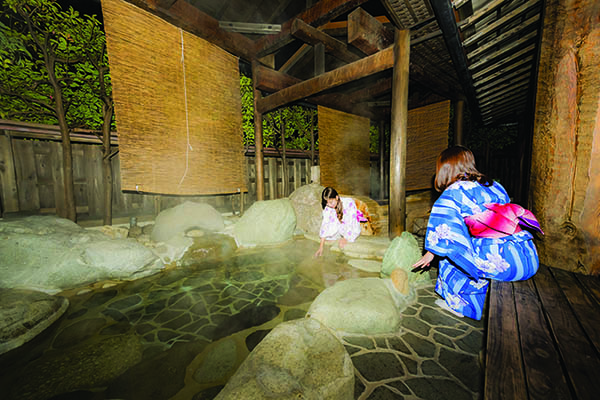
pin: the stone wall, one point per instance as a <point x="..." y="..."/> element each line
<point x="565" y="174"/>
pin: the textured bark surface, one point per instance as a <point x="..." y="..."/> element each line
<point x="565" y="173"/>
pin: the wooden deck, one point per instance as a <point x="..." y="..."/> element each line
<point x="543" y="337"/>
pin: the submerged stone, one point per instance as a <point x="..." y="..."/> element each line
<point x="218" y="363"/>
<point x="297" y="359"/>
<point x="363" y="305"/>
<point x="26" y="313"/>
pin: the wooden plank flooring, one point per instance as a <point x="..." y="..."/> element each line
<point x="543" y="339"/>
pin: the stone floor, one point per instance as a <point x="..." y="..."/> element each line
<point x="182" y="333"/>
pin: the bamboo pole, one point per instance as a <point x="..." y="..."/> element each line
<point x="399" y="133"/>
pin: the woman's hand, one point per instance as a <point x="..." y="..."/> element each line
<point x="343" y="242"/>
<point x="319" y="252"/>
<point x="424" y="261"/>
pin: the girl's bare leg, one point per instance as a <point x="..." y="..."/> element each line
<point x="343" y="243"/>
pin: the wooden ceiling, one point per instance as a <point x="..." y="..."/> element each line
<point x="481" y="51"/>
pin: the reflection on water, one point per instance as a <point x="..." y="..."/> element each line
<point x="163" y="336"/>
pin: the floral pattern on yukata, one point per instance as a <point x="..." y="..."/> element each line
<point x="467" y="263"/>
<point x="349" y="227"/>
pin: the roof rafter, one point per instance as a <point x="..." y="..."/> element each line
<point x="187" y="17"/>
<point x="318" y="15"/>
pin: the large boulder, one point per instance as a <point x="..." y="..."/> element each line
<point x="26" y="313"/>
<point x="297" y="359"/>
<point x="368" y="306"/>
<point x="306" y="201"/>
<point x="402" y="253"/>
<point x="51" y="254"/>
<point x="185" y="217"/>
<point x="266" y="222"/>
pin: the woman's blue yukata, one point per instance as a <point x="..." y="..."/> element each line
<point x="467" y="263"/>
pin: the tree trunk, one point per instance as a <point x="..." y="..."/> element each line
<point x="565" y="188"/>
<point x="107" y="113"/>
<point x="70" y="210"/>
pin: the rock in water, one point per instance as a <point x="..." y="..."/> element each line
<point x="402" y="253"/>
<point x="26" y="313"/>
<point x="362" y="305"/>
<point x="266" y="222"/>
<point x="185" y="217"/>
<point x="50" y="253"/>
<point x="299" y="359"/>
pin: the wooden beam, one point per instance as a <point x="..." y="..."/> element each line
<point x="399" y="134"/>
<point x="187" y="17"/>
<point x="492" y="43"/>
<point x="479" y="14"/>
<point x="359" y="69"/>
<point x="489" y="28"/>
<point x="344" y="24"/>
<point x="272" y="81"/>
<point x="380" y="87"/>
<point x="512" y="82"/>
<point x="297" y="56"/>
<point x="502" y="78"/>
<point x="166" y="4"/>
<point x="503" y="50"/>
<point x="366" y="33"/>
<point x="510" y="93"/>
<point x="314" y="36"/>
<point x="318" y="15"/>
<point x="506" y="60"/>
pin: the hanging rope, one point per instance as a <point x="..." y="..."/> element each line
<point x="187" y="125"/>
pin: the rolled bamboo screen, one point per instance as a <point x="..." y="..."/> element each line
<point x="344" y="151"/>
<point x="427" y="137"/>
<point x="177" y="106"/>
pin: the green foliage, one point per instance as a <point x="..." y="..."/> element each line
<point x="299" y="121"/>
<point x="40" y="41"/>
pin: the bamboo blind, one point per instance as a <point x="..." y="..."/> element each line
<point x="427" y="138"/>
<point x="177" y="106"/>
<point x="344" y="151"/>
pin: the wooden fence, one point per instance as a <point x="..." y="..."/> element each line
<point x="31" y="180"/>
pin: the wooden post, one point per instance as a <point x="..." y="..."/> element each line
<point x="284" y="172"/>
<point x="319" y="58"/>
<point x="399" y="134"/>
<point x="381" y="159"/>
<point x="459" y="109"/>
<point x="258" y="139"/>
<point x="312" y="141"/>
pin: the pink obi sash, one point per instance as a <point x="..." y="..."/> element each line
<point x="500" y="220"/>
<point x="360" y="216"/>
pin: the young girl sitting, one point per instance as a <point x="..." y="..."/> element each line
<point x="341" y="219"/>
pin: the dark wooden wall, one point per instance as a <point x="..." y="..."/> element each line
<point x="31" y="181"/>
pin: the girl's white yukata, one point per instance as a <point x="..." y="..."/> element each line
<point x="349" y="228"/>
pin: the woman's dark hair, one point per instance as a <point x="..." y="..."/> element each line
<point x="330" y="193"/>
<point x="457" y="163"/>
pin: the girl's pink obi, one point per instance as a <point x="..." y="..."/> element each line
<point x="500" y="220"/>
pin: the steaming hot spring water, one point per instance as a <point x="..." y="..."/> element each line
<point x="183" y="332"/>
